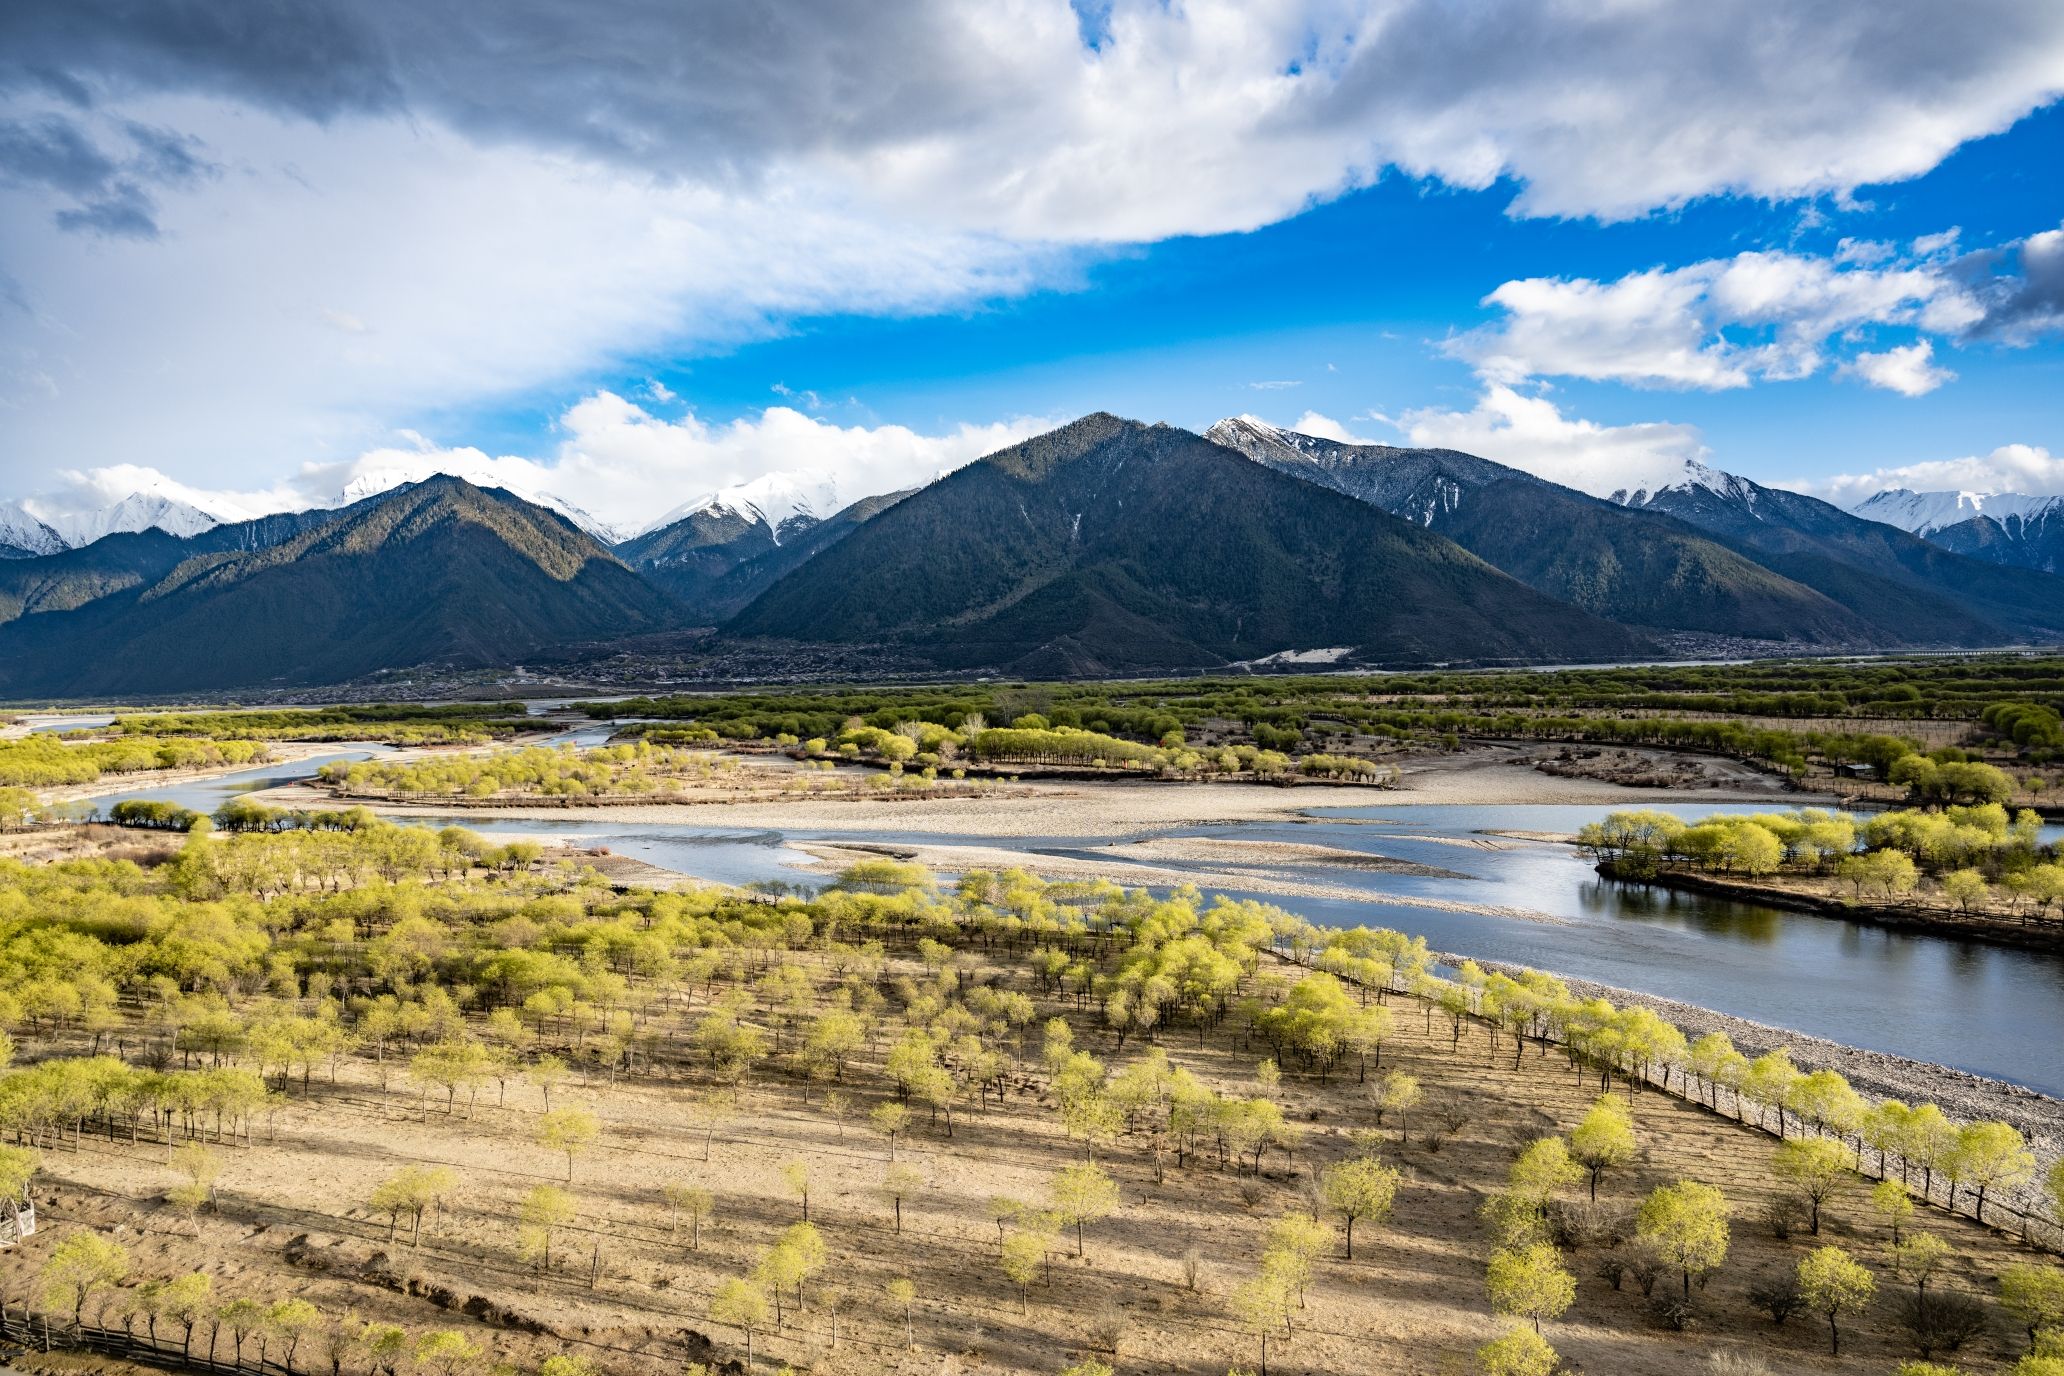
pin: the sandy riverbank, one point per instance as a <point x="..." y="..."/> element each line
<point x="1284" y="883"/>
<point x="1121" y="810"/>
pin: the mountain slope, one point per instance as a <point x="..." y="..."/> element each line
<point x="439" y="572"/>
<point x="1641" y="569"/>
<point x="693" y="554"/>
<point x="1874" y="570"/>
<point x="1108" y="545"/>
<point x="717" y="559"/>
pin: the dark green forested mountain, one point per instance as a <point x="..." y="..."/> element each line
<point x="2031" y="540"/>
<point x="1108" y="545"/>
<point x="1885" y="574"/>
<point x="74" y="577"/>
<point x="1639" y="568"/>
<point x="438" y="572"/>
<point x="716" y="560"/>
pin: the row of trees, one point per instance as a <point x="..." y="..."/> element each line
<point x="43" y="760"/>
<point x="1975" y="854"/>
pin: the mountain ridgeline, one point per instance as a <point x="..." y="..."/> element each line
<point x="1104" y="547"/>
<point x="1110" y="546"/>
<point x="1632" y="567"/>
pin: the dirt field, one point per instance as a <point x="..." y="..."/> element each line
<point x="292" y="1220"/>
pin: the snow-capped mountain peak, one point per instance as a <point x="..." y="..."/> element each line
<point x="1926" y="512"/>
<point x="21" y="530"/>
<point x="138" y="511"/>
<point x="780" y="500"/>
<point x="373" y="482"/>
<point x="1693" y="476"/>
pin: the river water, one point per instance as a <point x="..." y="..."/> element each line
<point x="1991" y="1010"/>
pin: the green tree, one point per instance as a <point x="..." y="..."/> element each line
<point x="1893" y="1205"/>
<point x="1079" y="1195"/>
<point x="1686" y="1226"/>
<point x="1918" y="1258"/>
<point x="1603" y="1139"/>
<point x="1815" y="1167"/>
<point x="2033" y="1296"/>
<point x="742" y="1305"/>
<point x="1530" y="1283"/>
<point x="545" y="1210"/>
<point x="1991" y="1156"/>
<point x="412" y="1191"/>
<point x="902" y="1292"/>
<point x="80" y="1265"/>
<point x="568" y="1130"/>
<point x="1965" y="889"/>
<point x="891" y="1120"/>
<point x="287" y="1322"/>
<point x="898" y="1184"/>
<point x="1022" y="1253"/>
<point x="1833" y="1284"/>
<point x="1542" y="1169"/>
<point x="446" y="1352"/>
<point x="1520" y="1351"/>
<point x="692" y="1201"/>
<point x="1263" y="1305"/>
<point x="1359" y="1189"/>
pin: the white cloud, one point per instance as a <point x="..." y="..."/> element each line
<point x="223" y="350"/>
<point x="1531" y="433"/>
<point x="1280" y="385"/>
<point x="1325" y="427"/>
<point x="400" y="216"/>
<point x="1909" y="370"/>
<point x="2010" y="468"/>
<point x="1714" y="325"/>
<point x="616" y="461"/>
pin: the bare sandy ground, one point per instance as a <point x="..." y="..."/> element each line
<point x="1115" y="811"/>
<point x="292" y="1218"/>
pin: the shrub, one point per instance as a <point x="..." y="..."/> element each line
<point x="1941" y="1321"/>
<point x="1778" y="1296"/>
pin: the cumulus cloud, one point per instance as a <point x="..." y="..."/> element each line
<point x="1325" y="427"/>
<point x="1909" y="370"/>
<point x="1531" y="433"/>
<point x="615" y="460"/>
<point x="1719" y="324"/>
<point x="2021" y="468"/>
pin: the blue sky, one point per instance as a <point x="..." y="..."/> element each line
<point x="252" y="266"/>
<point x="1350" y="299"/>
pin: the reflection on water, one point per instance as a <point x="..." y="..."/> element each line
<point x="1986" y="1009"/>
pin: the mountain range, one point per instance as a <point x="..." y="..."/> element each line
<point x="1997" y="527"/>
<point x="1104" y="547"/>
